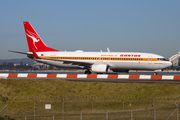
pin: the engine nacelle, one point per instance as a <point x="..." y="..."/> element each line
<point x="99" y="68"/>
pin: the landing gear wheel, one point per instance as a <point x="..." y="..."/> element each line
<point x="155" y="73"/>
<point x="127" y="71"/>
<point x="87" y="72"/>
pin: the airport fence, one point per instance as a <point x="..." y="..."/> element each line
<point x="90" y="108"/>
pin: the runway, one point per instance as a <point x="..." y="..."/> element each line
<point x="115" y="78"/>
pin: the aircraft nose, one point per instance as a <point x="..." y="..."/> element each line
<point x="169" y="64"/>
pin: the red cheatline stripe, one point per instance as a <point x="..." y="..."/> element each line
<point x="51" y="75"/>
<point x="134" y="76"/>
<point x="92" y="76"/>
<point x="113" y="76"/>
<point x="12" y="75"/>
<point x="71" y="76"/>
<point x="32" y="75"/>
<point x="176" y="77"/>
<point x="156" y="76"/>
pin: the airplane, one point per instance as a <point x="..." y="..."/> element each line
<point x="96" y="62"/>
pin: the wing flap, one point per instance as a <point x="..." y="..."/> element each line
<point x="87" y="64"/>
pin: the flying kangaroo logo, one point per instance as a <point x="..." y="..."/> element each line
<point x="32" y="36"/>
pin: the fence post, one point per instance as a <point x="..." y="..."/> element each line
<point x="92" y="106"/>
<point x="154" y="108"/>
<point x="174" y="112"/>
<point x="154" y="114"/>
<point x="53" y="116"/>
<point x="25" y="117"/>
<point x="123" y="107"/>
<point x="8" y="109"/>
<point x="63" y="109"/>
<point x="106" y="115"/>
<point x="34" y="111"/>
<point x="81" y="116"/>
<point x="177" y="112"/>
<point x="131" y="115"/>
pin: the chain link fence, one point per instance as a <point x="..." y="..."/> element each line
<point x="89" y="108"/>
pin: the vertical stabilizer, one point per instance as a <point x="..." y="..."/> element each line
<point x="34" y="41"/>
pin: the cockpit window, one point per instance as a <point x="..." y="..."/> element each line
<point x="163" y="59"/>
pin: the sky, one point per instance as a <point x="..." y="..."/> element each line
<point x="151" y="26"/>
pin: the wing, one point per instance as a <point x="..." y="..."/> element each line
<point x="79" y="63"/>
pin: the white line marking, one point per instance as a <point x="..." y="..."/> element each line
<point x="145" y="77"/>
<point x="4" y="75"/>
<point x="41" y="75"/>
<point x="82" y="76"/>
<point x="22" y="75"/>
<point x="61" y="75"/>
<point x="123" y="76"/>
<point x="102" y="76"/>
<point x="166" y="77"/>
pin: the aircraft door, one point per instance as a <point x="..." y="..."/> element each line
<point x="150" y="60"/>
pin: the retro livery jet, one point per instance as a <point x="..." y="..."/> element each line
<point x="97" y="62"/>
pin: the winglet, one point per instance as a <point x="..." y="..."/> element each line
<point x="34" y="53"/>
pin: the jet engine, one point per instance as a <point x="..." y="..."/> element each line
<point x="99" y="68"/>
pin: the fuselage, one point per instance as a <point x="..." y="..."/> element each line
<point x="117" y="61"/>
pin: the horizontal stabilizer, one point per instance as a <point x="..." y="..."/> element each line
<point x="18" y="52"/>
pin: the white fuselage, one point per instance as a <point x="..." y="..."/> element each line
<point x="117" y="61"/>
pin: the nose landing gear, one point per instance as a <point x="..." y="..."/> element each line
<point x="155" y="73"/>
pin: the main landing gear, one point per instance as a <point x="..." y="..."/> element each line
<point x="87" y="71"/>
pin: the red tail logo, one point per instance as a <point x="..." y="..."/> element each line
<point x="34" y="41"/>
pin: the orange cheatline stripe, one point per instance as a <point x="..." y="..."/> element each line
<point x="100" y="58"/>
<point x="92" y="76"/>
<point x="51" y="75"/>
<point x="32" y="75"/>
<point x="134" y="76"/>
<point x="112" y="76"/>
<point x="13" y="75"/>
<point x="71" y="76"/>
<point x="156" y="76"/>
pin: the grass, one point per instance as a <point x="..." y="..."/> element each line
<point x="23" y="87"/>
<point x="106" y="97"/>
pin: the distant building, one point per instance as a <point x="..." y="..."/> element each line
<point x="16" y="64"/>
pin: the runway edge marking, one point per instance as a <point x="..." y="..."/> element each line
<point x="86" y="76"/>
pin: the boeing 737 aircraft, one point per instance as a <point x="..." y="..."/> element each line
<point x="97" y="62"/>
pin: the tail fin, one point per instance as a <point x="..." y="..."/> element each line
<point x="34" y="41"/>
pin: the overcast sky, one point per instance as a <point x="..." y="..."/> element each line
<point x="91" y="25"/>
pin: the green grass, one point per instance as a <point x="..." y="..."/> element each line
<point x="39" y="87"/>
<point x="106" y="97"/>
